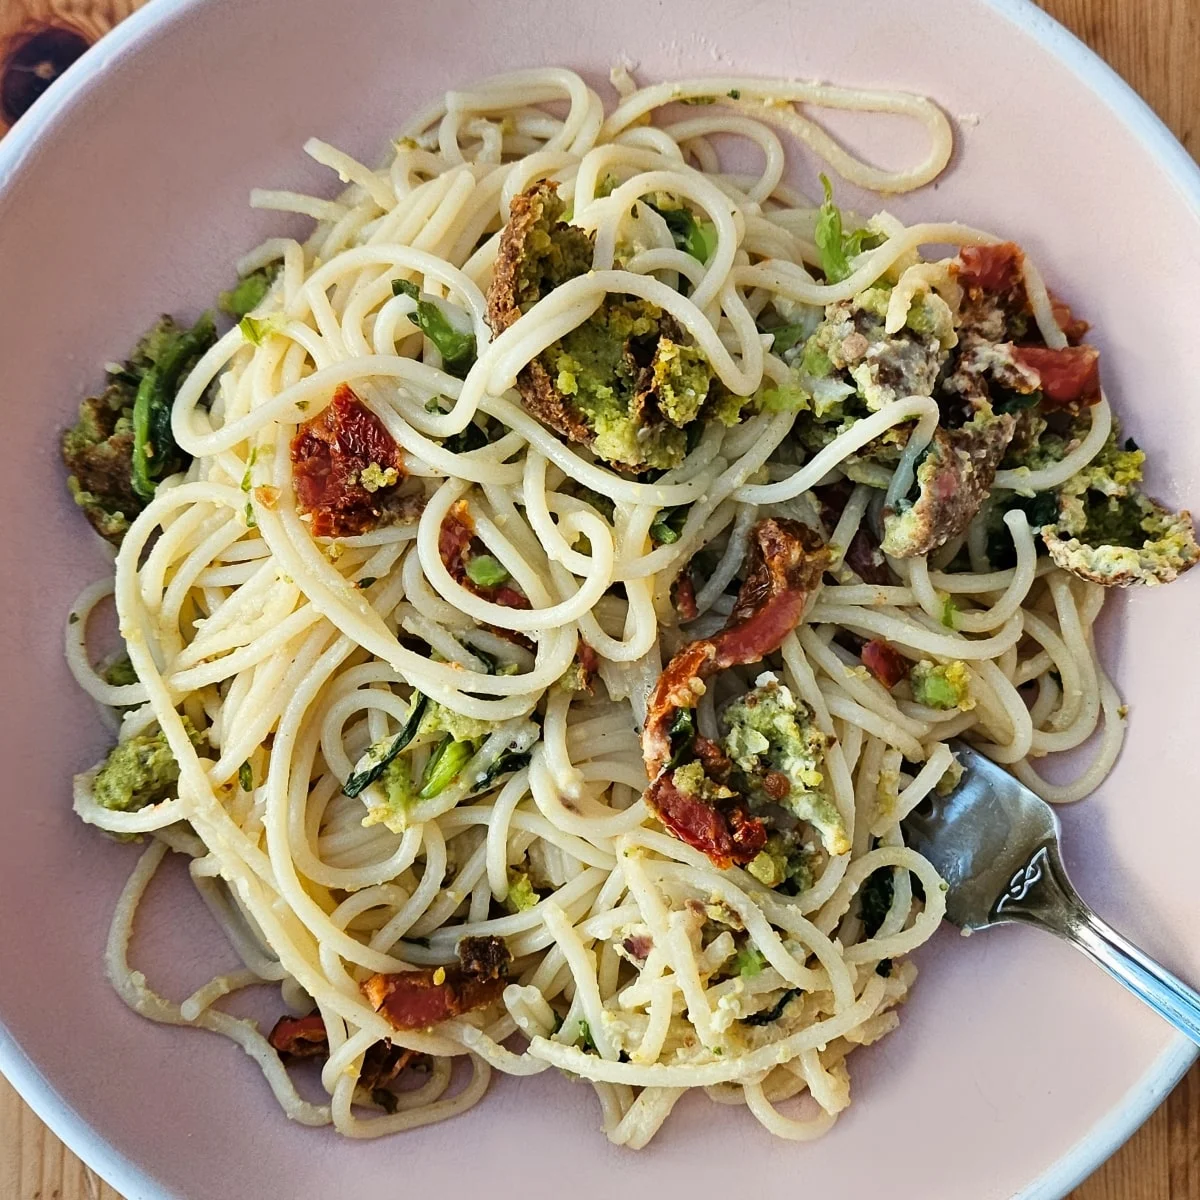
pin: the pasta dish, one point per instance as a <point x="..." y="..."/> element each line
<point x="545" y="596"/>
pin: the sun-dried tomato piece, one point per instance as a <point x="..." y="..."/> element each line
<point x="423" y="998"/>
<point x="1070" y="376"/>
<point x="330" y="455"/>
<point x="996" y="268"/>
<point x="885" y="662"/>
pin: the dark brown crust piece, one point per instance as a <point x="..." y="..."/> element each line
<point x="485" y="957"/>
<point x="538" y="391"/>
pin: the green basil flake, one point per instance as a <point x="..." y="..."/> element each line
<point x="379" y="761"/>
<point x="696" y="237"/>
<point x="834" y="245"/>
<point x="485" y="571"/>
<point x="246" y="776"/>
<point x="248" y="293"/>
<point x="256" y="329"/>
<point x="828" y="237"/>
<point x="949" y="612"/>
<point x="365" y="582"/>
<point x="444" y="765"/>
<point x="456" y="347"/>
<point x="249" y="467"/>
<point x="509" y="763"/>
<point x="471" y="438"/>
<point x="748" y="962"/>
<point x="683" y="735"/>
<point x="786" y="336"/>
<point x="155" y="451"/>
<point x="1011" y="402"/>
<point x="669" y="526"/>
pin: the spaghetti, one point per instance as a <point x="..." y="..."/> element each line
<point x="532" y="420"/>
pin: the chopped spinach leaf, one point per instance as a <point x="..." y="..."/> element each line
<point x="775" y="1012"/>
<point x="155" y="452"/>
<point x="456" y="347"/>
<point x="371" y="772"/>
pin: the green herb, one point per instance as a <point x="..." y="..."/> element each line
<point x="734" y="94"/>
<point x="246" y="776"/>
<point x="73" y="618"/>
<point x="251" y="519"/>
<point x="875" y="899"/>
<point x="509" y="763"/>
<point x="669" y="526"/>
<point x="471" y="438"/>
<point x="786" y="336"/>
<point x="444" y="765"/>
<point x="1005" y="401"/>
<point x="155" y="452"/>
<point x="249" y="467"/>
<point x="834" y="245"/>
<point x="816" y="361"/>
<point x="256" y="330"/>
<point x="456" y="348"/>
<point x="748" y="962"/>
<point x="697" y="238"/>
<point x="365" y="582"/>
<point x="248" y="292"/>
<point x="485" y="571"/>
<point x="433" y="404"/>
<point x="774" y="1013"/>
<point x="586" y="1042"/>
<point x="683" y="734"/>
<point x="949" y="612"/>
<point x="379" y="758"/>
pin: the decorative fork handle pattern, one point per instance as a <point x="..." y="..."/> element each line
<point x="1041" y="894"/>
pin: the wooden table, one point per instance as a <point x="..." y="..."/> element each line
<point x="1155" y="44"/>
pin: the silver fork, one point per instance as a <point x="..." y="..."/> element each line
<point x="996" y="845"/>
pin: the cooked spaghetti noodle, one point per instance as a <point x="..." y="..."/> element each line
<point x="527" y="592"/>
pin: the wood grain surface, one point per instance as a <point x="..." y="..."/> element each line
<point x="1155" y="45"/>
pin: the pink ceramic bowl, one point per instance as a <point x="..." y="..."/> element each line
<point x="1017" y="1066"/>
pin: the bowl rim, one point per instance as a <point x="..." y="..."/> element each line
<point x="20" y="145"/>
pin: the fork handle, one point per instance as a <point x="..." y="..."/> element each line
<point x="1041" y="894"/>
